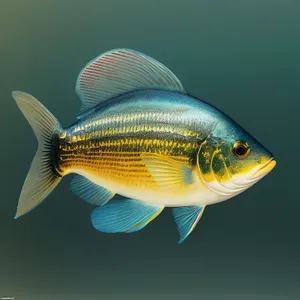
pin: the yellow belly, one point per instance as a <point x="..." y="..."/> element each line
<point x="116" y="163"/>
<point x="127" y="175"/>
<point x="122" y="168"/>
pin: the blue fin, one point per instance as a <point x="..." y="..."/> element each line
<point x="167" y="172"/>
<point x="186" y="219"/>
<point x="125" y="215"/>
<point x="90" y="192"/>
<point x="119" y="71"/>
<point x="137" y="228"/>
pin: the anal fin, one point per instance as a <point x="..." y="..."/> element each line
<point x="127" y="215"/>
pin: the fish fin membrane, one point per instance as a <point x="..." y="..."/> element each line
<point x="186" y="219"/>
<point x="126" y="215"/>
<point x="168" y="173"/>
<point x="41" y="179"/>
<point x="120" y="71"/>
<point x="90" y="191"/>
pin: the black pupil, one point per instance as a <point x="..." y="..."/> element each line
<point x="241" y="150"/>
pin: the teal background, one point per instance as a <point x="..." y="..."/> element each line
<point x="241" y="56"/>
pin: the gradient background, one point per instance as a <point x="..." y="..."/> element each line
<point x="241" y="56"/>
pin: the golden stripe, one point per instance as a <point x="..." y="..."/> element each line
<point x="113" y="161"/>
<point x="161" y="145"/>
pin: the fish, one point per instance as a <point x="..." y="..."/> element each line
<point x="140" y="143"/>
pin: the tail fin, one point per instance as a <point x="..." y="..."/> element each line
<point x="40" y="180"/>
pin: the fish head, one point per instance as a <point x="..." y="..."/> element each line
<point x="231" y="160"/>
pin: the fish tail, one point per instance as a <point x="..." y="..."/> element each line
<point x="42" y="177"/>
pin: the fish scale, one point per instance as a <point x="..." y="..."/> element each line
<point x="140" y="135"/>
<point x="111" y="148"/>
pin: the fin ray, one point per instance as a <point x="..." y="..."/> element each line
<point x="90" y="191"/>
<point x="41" y="179"/>
<point x="167" y="172"/>
<point x="186" y="219"/>
<point x="119" y="71"/>
<point x="127" y="215"/>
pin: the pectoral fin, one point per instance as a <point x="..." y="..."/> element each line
<point x="127" y="215"/>
<point x="186" y="219"/>
<point x="90" y="191"/>
<point x="167" y="172"/>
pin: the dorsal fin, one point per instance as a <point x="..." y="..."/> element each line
<point x="119" y="71"/>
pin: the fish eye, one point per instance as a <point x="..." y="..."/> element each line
<point x="241" y="149"/>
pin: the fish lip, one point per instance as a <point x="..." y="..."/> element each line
<point x="265" y="169"/>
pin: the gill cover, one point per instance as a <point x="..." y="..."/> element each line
<point x="229" y="158"/>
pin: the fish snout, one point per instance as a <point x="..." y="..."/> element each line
<point x="264" y="169"/>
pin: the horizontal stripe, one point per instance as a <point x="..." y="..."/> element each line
<point x="134" y="144"/>
<point x="116" y="159"/>
<point x="138" y="121"/>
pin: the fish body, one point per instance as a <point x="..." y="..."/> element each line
<point x="142" y="136"/>
<point x="107" y="145"/>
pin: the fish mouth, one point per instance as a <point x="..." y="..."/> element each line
<point x="265" y="169"/>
